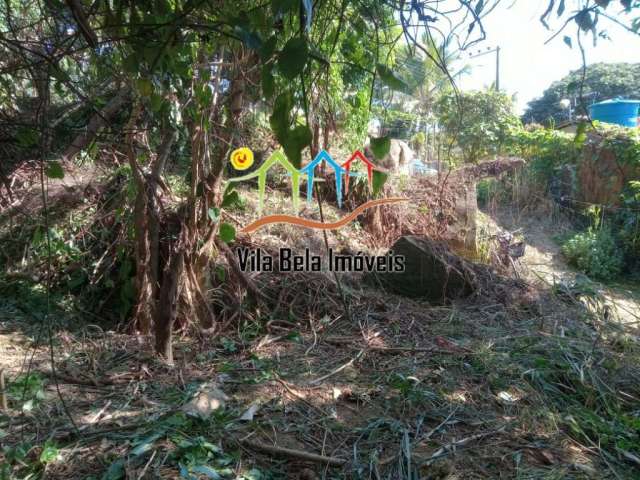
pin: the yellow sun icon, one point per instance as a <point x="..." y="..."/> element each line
<point x="242" y="158"/>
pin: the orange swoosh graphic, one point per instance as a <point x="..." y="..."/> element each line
<point x="303" y="222"/>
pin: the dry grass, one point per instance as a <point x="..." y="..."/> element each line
<point x="526" y="385"/>
<point x="471" y="390"/>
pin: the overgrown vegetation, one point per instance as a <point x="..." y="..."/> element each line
<point x="595" y="252"/>
<point x="133" y="346"/>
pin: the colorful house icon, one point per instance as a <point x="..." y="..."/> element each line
<point x="276" y="157"/>
<point x="309" y="170"/>
<point x="347" y="167"/>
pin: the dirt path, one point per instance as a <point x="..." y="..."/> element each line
<point x="543" y="262"/>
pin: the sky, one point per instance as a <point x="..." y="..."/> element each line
<point x="527" y="65"/>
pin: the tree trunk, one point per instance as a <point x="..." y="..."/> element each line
<point x="168" y="139"/>
<point x="144" y="286"/>
<point x="97" y="121"/>
<point x="168" y="303"/>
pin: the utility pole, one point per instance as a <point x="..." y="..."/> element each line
<point x="498" y="68"/>
<point x="495" y="50"/>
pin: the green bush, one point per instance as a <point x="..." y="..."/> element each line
<point x="479" y="122"/>
<point x="595" y="253"/>
<point x="628" y="219"/>
<point x="418" y="140"/>
<point x="544" y="149"/>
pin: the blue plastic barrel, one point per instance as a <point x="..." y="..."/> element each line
<point x="617" y="110"/>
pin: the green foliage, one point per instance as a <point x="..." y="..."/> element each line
<point x="63" y="247"/>
<point x="479" y="122"/>
<point x="380" y="147"/>
<point x="544" y="149"/>
<point x="623" y="141"/>
<point x="595" y="253"/>
<point x="227" y="233"/>
<point x="293" y="140"/>
<point x="485" y="189"/>
<point x="418" y="140"/>
<point x="293" y="58"/>
<point x="378" y="181"/>
<point x="602" y="81"/>
<point x="27" y="391"/>
<point x="390" y="79"/>
<point x="54" y="170"/>
<point x="19" y="464"/>
<point x="628" y="218"/>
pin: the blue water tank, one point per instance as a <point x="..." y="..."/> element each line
<point x="617" y="110"/>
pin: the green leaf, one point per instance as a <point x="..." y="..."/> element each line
<point x="214" y="214"/>
<point x="268" y="82"/>
<point x="378" y="181"/>
<point x="156" y="101"/>
<point x="295" y="141"/>
<point x="279" y="119"/>
<point x="60" y="75"/>
<point x="115" y="471"/>
<point x="283" y="6"/>
<point x="390" y="79"/>
<point x="581" y="134"/>
<point x="268" y="48"/>
<point x="54" y="170"/>
<point x="206" y="471"/>
<point x="221" y="274"/>
<point x="253" y="474"/>
<point x="146" y="444"/>
<point x="144" y="86"/>
<point x="231" y="199"/>
<point x="584" y="20"/>
<point x="380" y="147"/>
<point x="567" y="40"/>
<point x="49" y="453"/>
<point x="204" y="94"/>
<point x="293" y="57"/>
<point x="27" y="137"/>
<point x="249" y="38"/>
<point x="227" y="233"/>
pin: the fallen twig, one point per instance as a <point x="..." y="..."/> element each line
<point x="451" y="447"/>
<point x="289" y="452"/>
<point x="337" y="370"/>
<point x="3" y="393"/>
<point x="300" y="397"/>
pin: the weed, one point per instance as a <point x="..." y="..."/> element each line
<point x="28" y="390"/>
<point x="594" y="252"/>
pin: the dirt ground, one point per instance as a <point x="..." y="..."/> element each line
<point x="529" y="386"/>
<point x="543" y="263"/>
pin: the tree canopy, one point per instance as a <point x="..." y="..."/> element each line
<point x="602" y="81"/>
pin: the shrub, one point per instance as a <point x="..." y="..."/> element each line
<point x="628" y="218"/>
<point x="418" y="140"/>
<point x="544" y="149"/>
<point x="595" y="253"/>
<point x="478" y="122"/>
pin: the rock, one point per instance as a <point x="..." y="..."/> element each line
<point x="205" y="402"/>
<point x="398" y="160"/>
<point x="431" y="272"/>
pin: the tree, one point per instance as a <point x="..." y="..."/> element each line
<point x="602" y="81"/>
<point x="477" y="122"/>
<point x="179" y="76"/>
